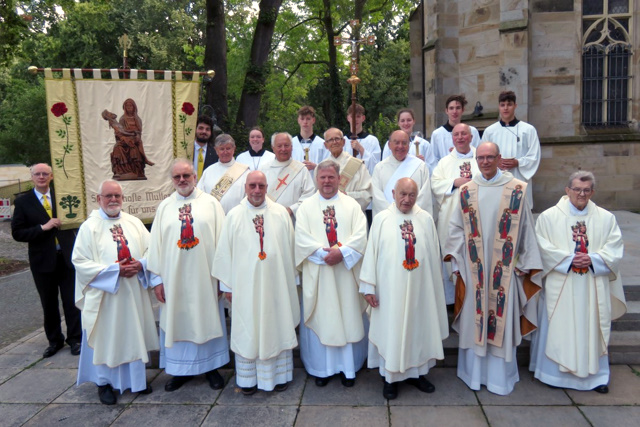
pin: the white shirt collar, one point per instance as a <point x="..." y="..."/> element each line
<point x="494" y="179"/>
<point x="40" y="195"/>
<point x="327" y="200"/>
<point x="104" y="215"/>
<point x="577" y="212"/>
<point x="459" y="155"/>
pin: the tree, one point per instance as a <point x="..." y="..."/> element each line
<point x="215" y="58"/>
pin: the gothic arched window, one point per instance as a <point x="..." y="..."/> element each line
<point x="606" y="62"/>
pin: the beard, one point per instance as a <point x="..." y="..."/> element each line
<point x="202" y="140"/>
<point x="113" y="211"/>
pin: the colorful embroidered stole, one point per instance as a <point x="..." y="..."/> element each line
<point x="226" y="181"/>
<point x="285" y="177"/>
<point x="505" y="240"/>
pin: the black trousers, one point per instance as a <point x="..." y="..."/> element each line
<point x="48" y="284"/>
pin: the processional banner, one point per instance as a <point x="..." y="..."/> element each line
<point x="129" y="130"/>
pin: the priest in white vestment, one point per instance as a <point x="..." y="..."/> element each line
<point x="224" y="179"/>
<point x="331" y="236"/>
<point x="184" y="236"/>
<point x="289" y="181"/>
<point x="400" y="279"/>
<point x="355" y="180"/>
<point x="497" y="275"/>
<point x="518" y="142"/>
<point x="255" y="265"/>
<point x="399" y="165"/>
<point x="454" y="170"/>
<point x="581" y="247"/>
<point x="442" y="138"/>
<point x="113" y="294"/>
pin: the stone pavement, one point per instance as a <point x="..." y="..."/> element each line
<point x="42" y="392"/>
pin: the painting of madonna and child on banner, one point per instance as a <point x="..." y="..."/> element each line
<point x="127" y="130"/>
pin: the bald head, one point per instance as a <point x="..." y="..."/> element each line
<point x="256" y="188"/>
<point x="462" y="137"/>
<point x="405" y="194"/>
<point x="399" y="144"/>
<point x="488" y="158"/>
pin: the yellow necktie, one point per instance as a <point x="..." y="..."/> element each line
<point x="200" y="163"/>
<point x="47" y="206"/>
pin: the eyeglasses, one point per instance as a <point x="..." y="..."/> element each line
<point x="44" y="174"/>
<point x="183" y="176"/>
<point x="334" y="139"/>
<point x="487" y="158"/>
<point x="585" y="191"/>
<point x="112" y="196"/>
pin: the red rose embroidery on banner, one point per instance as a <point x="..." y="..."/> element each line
<point x="59" y="108"/>
<point x="187" y="107"/>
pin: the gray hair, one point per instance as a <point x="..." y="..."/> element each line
<point x="584" y="176"/>
<point x="287" y="134"/>
<point x="328" y="164"/>
<point x="325" y="133"/>
<point x="224" y="139"/>
<point x="37" y="164"/>
<point x="178" y="161"/>
<point x="108" y="181"/>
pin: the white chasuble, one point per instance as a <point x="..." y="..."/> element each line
<point x="184" y="238"/>
<point x="234" y="193"/>
<point x="580" y="304"/>
<point x="358" y="187"/>
<point x="255" y="260"/>
<point x="289" y="181"/>
<point x="520" y="316"/>
<point x="389" y="171"/>
<point x="332" y="305"/>
<point x="402" y="262"/>
<point x="120" y="326"/>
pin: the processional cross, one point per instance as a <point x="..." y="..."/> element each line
<point x="355" y="43"/>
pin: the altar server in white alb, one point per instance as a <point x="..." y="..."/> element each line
<point x="224" y="179"/>
<point x="419" y="147"/>
<point x="355" y="180"/>
<point x="493" y="250"/>
<point x="331" y="236"/>
<point x="401" y="280"/>
<point x="184" y="237"/>
<point x="453" y="171"/>
<point x="581" y="247"/>
<point x="112" y="292"/>
<point x="289" y="181"/>
<point x="399" y="165"/>
<point x="256" y="155"/>
<point x="254" y="263"/>
<point x="442" y="138"/>
<point x="308" y="147"/>
<point x="362" y="145"/>
<point x="518" y="142"/>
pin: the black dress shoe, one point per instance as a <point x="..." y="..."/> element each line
<point x="106" y="395"/>
<point x="281" y="387"/>
<point x="176" y="382"/>
<point x="248" y="391"/>
<point x="347" y="382"/>
<point x="602" y="389"/>
<point x="216" y="381"/>
<point x="390" y="390"/>
<point x="422" y="384"/>
<point x="52" y="349"/>
<point x="75" y="348"/>
<point x="147" y="390"/>
<point x="321" y="382"/>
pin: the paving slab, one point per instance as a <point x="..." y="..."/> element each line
<point x="450" y="391"/>
<point x="16" y="414"/>
<point x="438" y="416"/>
<point x="358" y="416"/>
<point x="624" y="385"/>
<point x="61" y="360"/>
<point x="232" y="394"/>
<point x="37" y="385"/>
<point x="162" y="415"/>
<point x="196" y="391"/>
<point x="528" y="391"/>
<point x="88" y="392"/>
<point x="77" y="415"/>
<point x="254" y="416"/>
<point x="18" y="360"/>
<point x="607" y="416"/>
<point x="535" y="416"/>
<point x="6" y="373"/>
<point x="366" y="392"/>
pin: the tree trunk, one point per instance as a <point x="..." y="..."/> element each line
<point x="258" y="70"/>
<point x="215" y="58"/>
<point x="335" y="114"/>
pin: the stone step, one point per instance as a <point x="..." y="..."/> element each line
<point x="632" y="291"/>
<point x="631" y="320"/>
<point x="624" y="347"/>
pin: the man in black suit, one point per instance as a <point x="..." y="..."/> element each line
<point x="34" y="221"/>
<point x="203" y="147"/>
